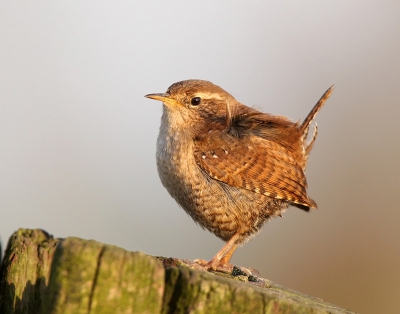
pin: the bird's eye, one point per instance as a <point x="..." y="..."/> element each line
<point x="195" y="101"/>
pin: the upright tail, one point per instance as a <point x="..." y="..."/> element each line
<point x="306" y="123"/>
<point x="316" y="108"/>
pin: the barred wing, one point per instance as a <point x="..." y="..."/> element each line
<point x="256" y="164"/>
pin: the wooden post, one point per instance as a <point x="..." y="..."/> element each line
<point x="41" y="274"/>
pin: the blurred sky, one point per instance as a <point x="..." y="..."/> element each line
<point x="77" y="137"/>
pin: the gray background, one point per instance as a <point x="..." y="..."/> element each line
<point x="77" y="137"/>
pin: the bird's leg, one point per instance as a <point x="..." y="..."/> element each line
<point x="221" y="260"/>
<point x="227" y="257"/>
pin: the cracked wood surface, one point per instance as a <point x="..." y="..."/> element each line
<point x="41" y="274"/>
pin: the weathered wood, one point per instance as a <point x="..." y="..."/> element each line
<point x="25" y="271"/>
<point x="40" y="274"/>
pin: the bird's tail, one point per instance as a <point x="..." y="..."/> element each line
<point x="304" y="127"/>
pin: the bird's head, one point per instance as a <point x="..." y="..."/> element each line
<point x="196" y="106"/>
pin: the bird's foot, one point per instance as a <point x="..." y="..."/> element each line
<point x="227" y="268"/>
<point x="215" y="265"/>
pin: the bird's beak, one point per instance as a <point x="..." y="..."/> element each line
<point x="164" y="97"/>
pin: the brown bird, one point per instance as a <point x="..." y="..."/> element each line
<point x="230" y="167"/>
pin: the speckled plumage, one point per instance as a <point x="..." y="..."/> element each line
<point x="230" y="167"/>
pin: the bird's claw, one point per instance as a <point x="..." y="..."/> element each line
<point x="214" y="265"/>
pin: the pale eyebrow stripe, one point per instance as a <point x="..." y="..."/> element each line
<point x="209" y="96"/>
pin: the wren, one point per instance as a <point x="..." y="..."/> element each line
<point x="229" y="166"/>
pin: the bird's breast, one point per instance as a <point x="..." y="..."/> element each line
<point x="176" y="165"/>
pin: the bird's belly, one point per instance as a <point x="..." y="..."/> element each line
<point x="215" y="206"/>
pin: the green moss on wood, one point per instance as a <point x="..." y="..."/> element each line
<point x="25" y="271"/>
<point x="40" y="274"/>
<point x="89" y="277"/>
